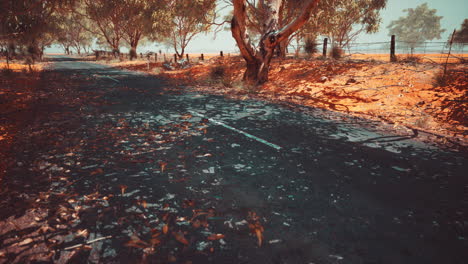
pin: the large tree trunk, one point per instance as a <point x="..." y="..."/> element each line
<point x="133" y="53"/>
<point x="134" y="40"/>
<point x="258" y="59"/>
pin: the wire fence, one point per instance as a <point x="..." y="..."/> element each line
<point x="426" y="51"/>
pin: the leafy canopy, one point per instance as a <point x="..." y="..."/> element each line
<point x="419" y="25"/>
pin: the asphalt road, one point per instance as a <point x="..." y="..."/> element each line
<point x="325" y="187"/>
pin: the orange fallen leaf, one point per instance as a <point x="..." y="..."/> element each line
<point x="97" y="171"/>
<point x="215" y="236"/>
<point x="196" y="223"/>
<point x="180" y="237"/>
<point x="123" y="188"/>
<point x="163" y="166"/>
<point x="136" y="242"/>
<point x="259" y="234"/>
<point x="165" y="229"/>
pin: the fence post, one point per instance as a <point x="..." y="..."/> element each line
<point x="450" y="50"/>
<point x="156" y="57"/>
<point x="392" y="49"/>
<point x="221" y="53"/>
<point x="187" y="56"/>
<point x="202" y="57"/>
<point x="325" y="43"/>
<point x="175" y="58"/>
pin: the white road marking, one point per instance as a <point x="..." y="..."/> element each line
<point x="108" y="77"/>
<point x="238" y="131"/>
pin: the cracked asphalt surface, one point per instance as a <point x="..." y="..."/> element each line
<point x="133" y="159"/>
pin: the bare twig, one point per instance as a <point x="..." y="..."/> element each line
<point x="88" y="242"/>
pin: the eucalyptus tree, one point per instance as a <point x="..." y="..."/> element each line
<point x="189" y="18"/>
<point x="461" y="35"/>
<point x="351" y="18"/>
<point x="30" y="24"/>
<point x="108" y="19"/>
<point x="73" y="33"/>
<point x="145" y="18"/>
<point x="419" y="25"/>
<point x="258" y="57"/>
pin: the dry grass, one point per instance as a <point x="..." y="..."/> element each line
<point x="22" y="67"/>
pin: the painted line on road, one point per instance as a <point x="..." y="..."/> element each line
<point x="108" y="77"/>
<point x="238" y="131"/>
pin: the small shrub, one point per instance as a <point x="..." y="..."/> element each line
<point x="310" y="46"/>
<point x="218" y="72"/>
<point x="440" y="80"/>
<point x="336" y="52"/>
<point x="410" y="59"/>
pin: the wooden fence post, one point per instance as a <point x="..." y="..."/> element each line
<point x="202" y="57"/>
<point x="221" y="53"/>
<point x="325" y="43"/>
<point x="175" y="58"/>
<point x="156" y="57"/>
<point x="392" y="49"/>
<point x="187" y="57"/>
<point x="450" y="51"/>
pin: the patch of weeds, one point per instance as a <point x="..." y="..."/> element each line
<point x="310" y="46"/>
<point x="442" y="79"/>
<point x="220" y="73"/>
<point x="410" y="59"/>
<point x="336" y="52"/>
<point x="217" y="72"/>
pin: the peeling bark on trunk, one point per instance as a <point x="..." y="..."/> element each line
<point x="259" y="59"/>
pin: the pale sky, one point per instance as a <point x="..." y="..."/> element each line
<point x="453" y="12"/>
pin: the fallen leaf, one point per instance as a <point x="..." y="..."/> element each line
<point x="165" y="229"/>
<point x="180" y="237"/>
<point x="163" y="166"/>
<point x="136" y="242"/>
<point x="196" y="223"/>
<point x="155" y="242"/>
<point x="259" y="234"/>
<point x="25" y="242"/>
<point x="84" y="233"/>
<point x="97" y="171"/>
<point x="123" y="188"/>
<point x="216" y="236"/>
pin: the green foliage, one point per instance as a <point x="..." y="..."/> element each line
<point x="461" y="35"/>
<point x="30" y="26"/>
<point x="188" y="19"/>
<point x="343" y="20"/>
<point x="419" y="25"/>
